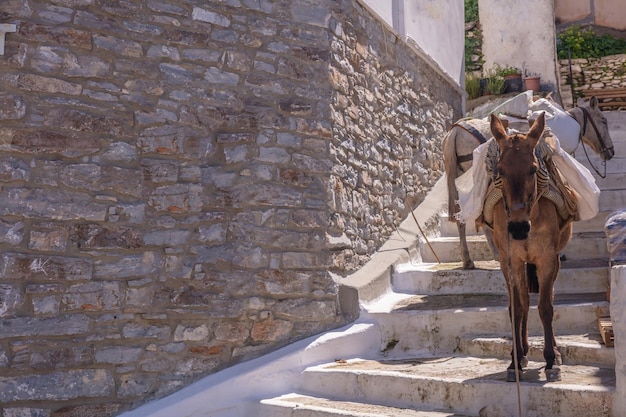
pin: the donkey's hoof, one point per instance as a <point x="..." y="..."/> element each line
<point x="510" y="375"/>
<point x="469" y="265"/>
<point x="523" y="362"/>
<point x="553" y="375"/>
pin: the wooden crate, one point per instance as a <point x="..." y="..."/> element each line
<point x="607" y="97"/>
<point x="606" y="326"/>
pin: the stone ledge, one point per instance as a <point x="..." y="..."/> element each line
<point x="374" y="279"/>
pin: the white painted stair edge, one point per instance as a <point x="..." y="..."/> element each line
<point x="236" y="391"/>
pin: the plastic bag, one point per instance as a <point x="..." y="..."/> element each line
<point x="615" y="230"/>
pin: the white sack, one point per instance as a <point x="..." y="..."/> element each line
<point x="473" y="184"/>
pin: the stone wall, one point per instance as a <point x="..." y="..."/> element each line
<point x="605" y="72"/>
<point x="178" y="182"/>
<point x="388" y="124"/>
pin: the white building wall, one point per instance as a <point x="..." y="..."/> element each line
<point x="436" y="26"/>
<point x="520" y="34"/>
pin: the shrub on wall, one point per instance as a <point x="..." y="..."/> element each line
<point x="471" y="11"/>
<point x="585" y="43"/>
<point x="473" y="37"/>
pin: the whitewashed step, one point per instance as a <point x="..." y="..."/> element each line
<point x="449" y="229"/>
<point x="447" y="249"/>
<point x="612" y="199"/>
<point x="613" y="181"/>
<point x="583" y="349"/>
<point x="582" y="246"/>
<point x="432" y="324"/>
<point x="593" y="225"/>
<point x="297" y="405"/>
<point x="614" y="168"/>
<point x="585" y="276"/>
<point x="597" y="162"/>
<point x="466" y="385"/>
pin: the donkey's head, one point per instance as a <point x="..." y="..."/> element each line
<point x="595" y="129"/>
<point x="517" y="167"/>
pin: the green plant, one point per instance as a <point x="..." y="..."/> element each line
<point x="471" y="11"/>
<point x="508" y="70"/>
<point x="585" y="43"/>
<point x="473" y="47"/>
<point x="472" y="86"/>
<point x="495" y="84"/>
<point x="473" y="36"/>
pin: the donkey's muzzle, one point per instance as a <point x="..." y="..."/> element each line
<point x="519" y="230"/>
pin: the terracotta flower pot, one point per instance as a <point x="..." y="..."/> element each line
<point x="532" y="83"/>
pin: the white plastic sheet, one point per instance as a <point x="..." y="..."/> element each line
<point x="522" y="106"/>
<point x="615" y="230"/>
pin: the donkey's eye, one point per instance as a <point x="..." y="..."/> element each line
<point x="533" y="170"/>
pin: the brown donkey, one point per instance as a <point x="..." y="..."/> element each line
<point x="465" y="135"/>
<point x="529" y="234"/>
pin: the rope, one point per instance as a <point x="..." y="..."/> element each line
<point x="583" y="130"/>
<point x="422" y="232"/>
<point x="591" y="163"/>
<point x="406" y="202"/>
<point x="515" y="358"/>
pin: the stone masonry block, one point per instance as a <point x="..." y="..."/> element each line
<point x="66" y="325"/>
<point x="26" y="412"/>
<point x="17" y="266"/>
<point x="51" y="204"/>
<point x="118" y="355"/>
<point x="11" y="107"/>
<point x="57" y="386"/>
<point x="32" y="141"/>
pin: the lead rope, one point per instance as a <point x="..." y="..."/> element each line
<point x="591" y="163"/>
<point x="580" y="139"/>
<point x="511" y="294"/>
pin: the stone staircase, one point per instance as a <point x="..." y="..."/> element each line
<point x="445" y="334"/>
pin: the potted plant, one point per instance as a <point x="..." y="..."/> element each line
<point x="495" y="84"/>
<point x="472" y="86"/>
<point x="532" y="81"/>
<point x="491" y="83"/>
<point x="512" y="78"/>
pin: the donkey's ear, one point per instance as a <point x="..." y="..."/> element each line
<point x="593" y="103"/>
<point x="497" y="129"/>
<point x="536" y="130"/>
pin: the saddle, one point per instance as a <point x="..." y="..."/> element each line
<point x="550" y="184"/>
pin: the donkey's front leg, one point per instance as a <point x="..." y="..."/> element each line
<point x="525" y="303"/>
<point x="546" y="313"/>
<point x="518" y="310"/>
<point x="517" y="320"/>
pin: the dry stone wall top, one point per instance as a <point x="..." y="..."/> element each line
<point x="605" y="72"/>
